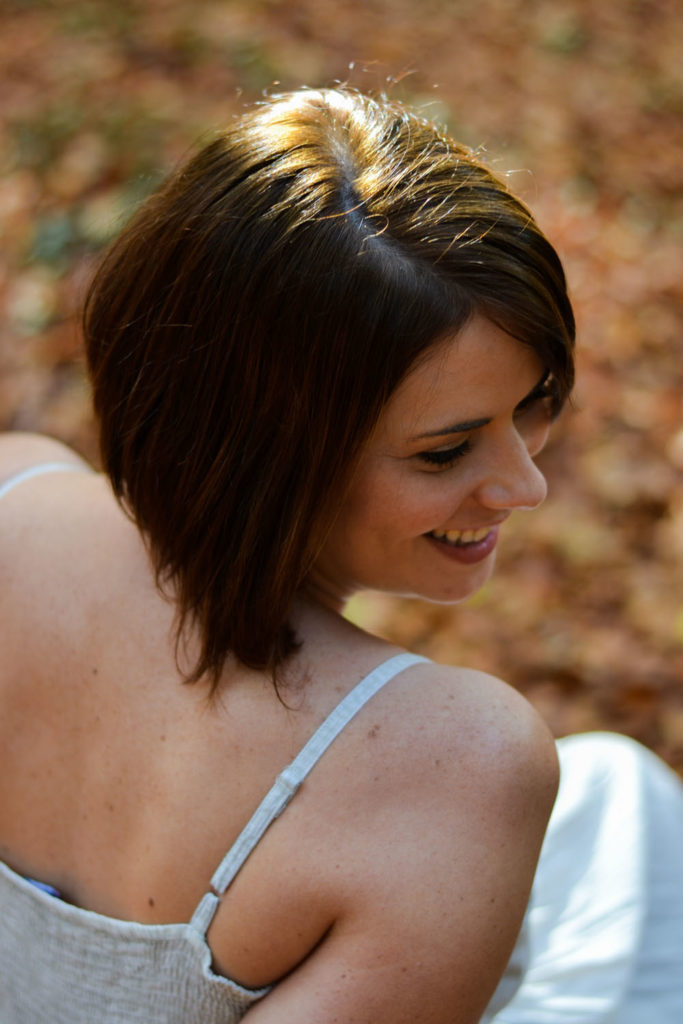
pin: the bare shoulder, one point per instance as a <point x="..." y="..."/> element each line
<point x="27" y="499"/>
<point x="62" y="534"/>
<point x="441" y="734"/>
<point x="43" y="504"/>
<point x="461" y="755"/>
<point x="469" y="724"/>
<point x="21" y="451"/>
<point x="504" y="731"/>
<point x="455" y="754"/>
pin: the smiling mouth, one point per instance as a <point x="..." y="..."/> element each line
<point x="460" y="538"/>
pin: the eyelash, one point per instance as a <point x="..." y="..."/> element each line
<point x="545" y="395"/>
<point x="447" y="456"/>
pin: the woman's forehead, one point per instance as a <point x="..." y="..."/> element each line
<point x="476" y="374"/>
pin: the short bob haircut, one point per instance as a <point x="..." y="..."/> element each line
<point x="245" y="331"/>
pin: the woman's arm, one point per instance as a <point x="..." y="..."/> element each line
<point x="441" y="876"/>
<point x="19" y="451"/>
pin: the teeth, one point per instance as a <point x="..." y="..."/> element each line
<point x="461" y="536"/>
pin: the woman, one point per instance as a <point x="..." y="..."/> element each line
<point x="323" y="358"/>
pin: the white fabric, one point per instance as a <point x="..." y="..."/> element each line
<point x="605" y="922"/>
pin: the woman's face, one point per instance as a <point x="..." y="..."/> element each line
<point x="450" y="459"/>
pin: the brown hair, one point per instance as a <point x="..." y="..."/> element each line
<point x="246" y="329"/>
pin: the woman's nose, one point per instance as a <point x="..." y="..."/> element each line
<point x="514" y="481"/>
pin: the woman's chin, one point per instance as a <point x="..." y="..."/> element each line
<point x="447" y="591"/>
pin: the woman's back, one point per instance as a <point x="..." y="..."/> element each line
<point x="124" y="789"/>
<point x="137" y="784"/>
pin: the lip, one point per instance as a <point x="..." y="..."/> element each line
<point x="467" y="554"/>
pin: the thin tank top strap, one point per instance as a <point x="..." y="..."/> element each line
<point x="42" y="467"/>
<point x="289" y="780"/>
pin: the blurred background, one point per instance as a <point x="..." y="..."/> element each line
<point x="580" y="103"/>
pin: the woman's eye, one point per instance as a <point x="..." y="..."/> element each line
<point x="539" y="402"/>
<point x="544" y="399"/>
<point x="444" y="457"/>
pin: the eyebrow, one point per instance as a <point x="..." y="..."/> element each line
<point x="455" y="428"/>
<point x="464" y="428"/>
